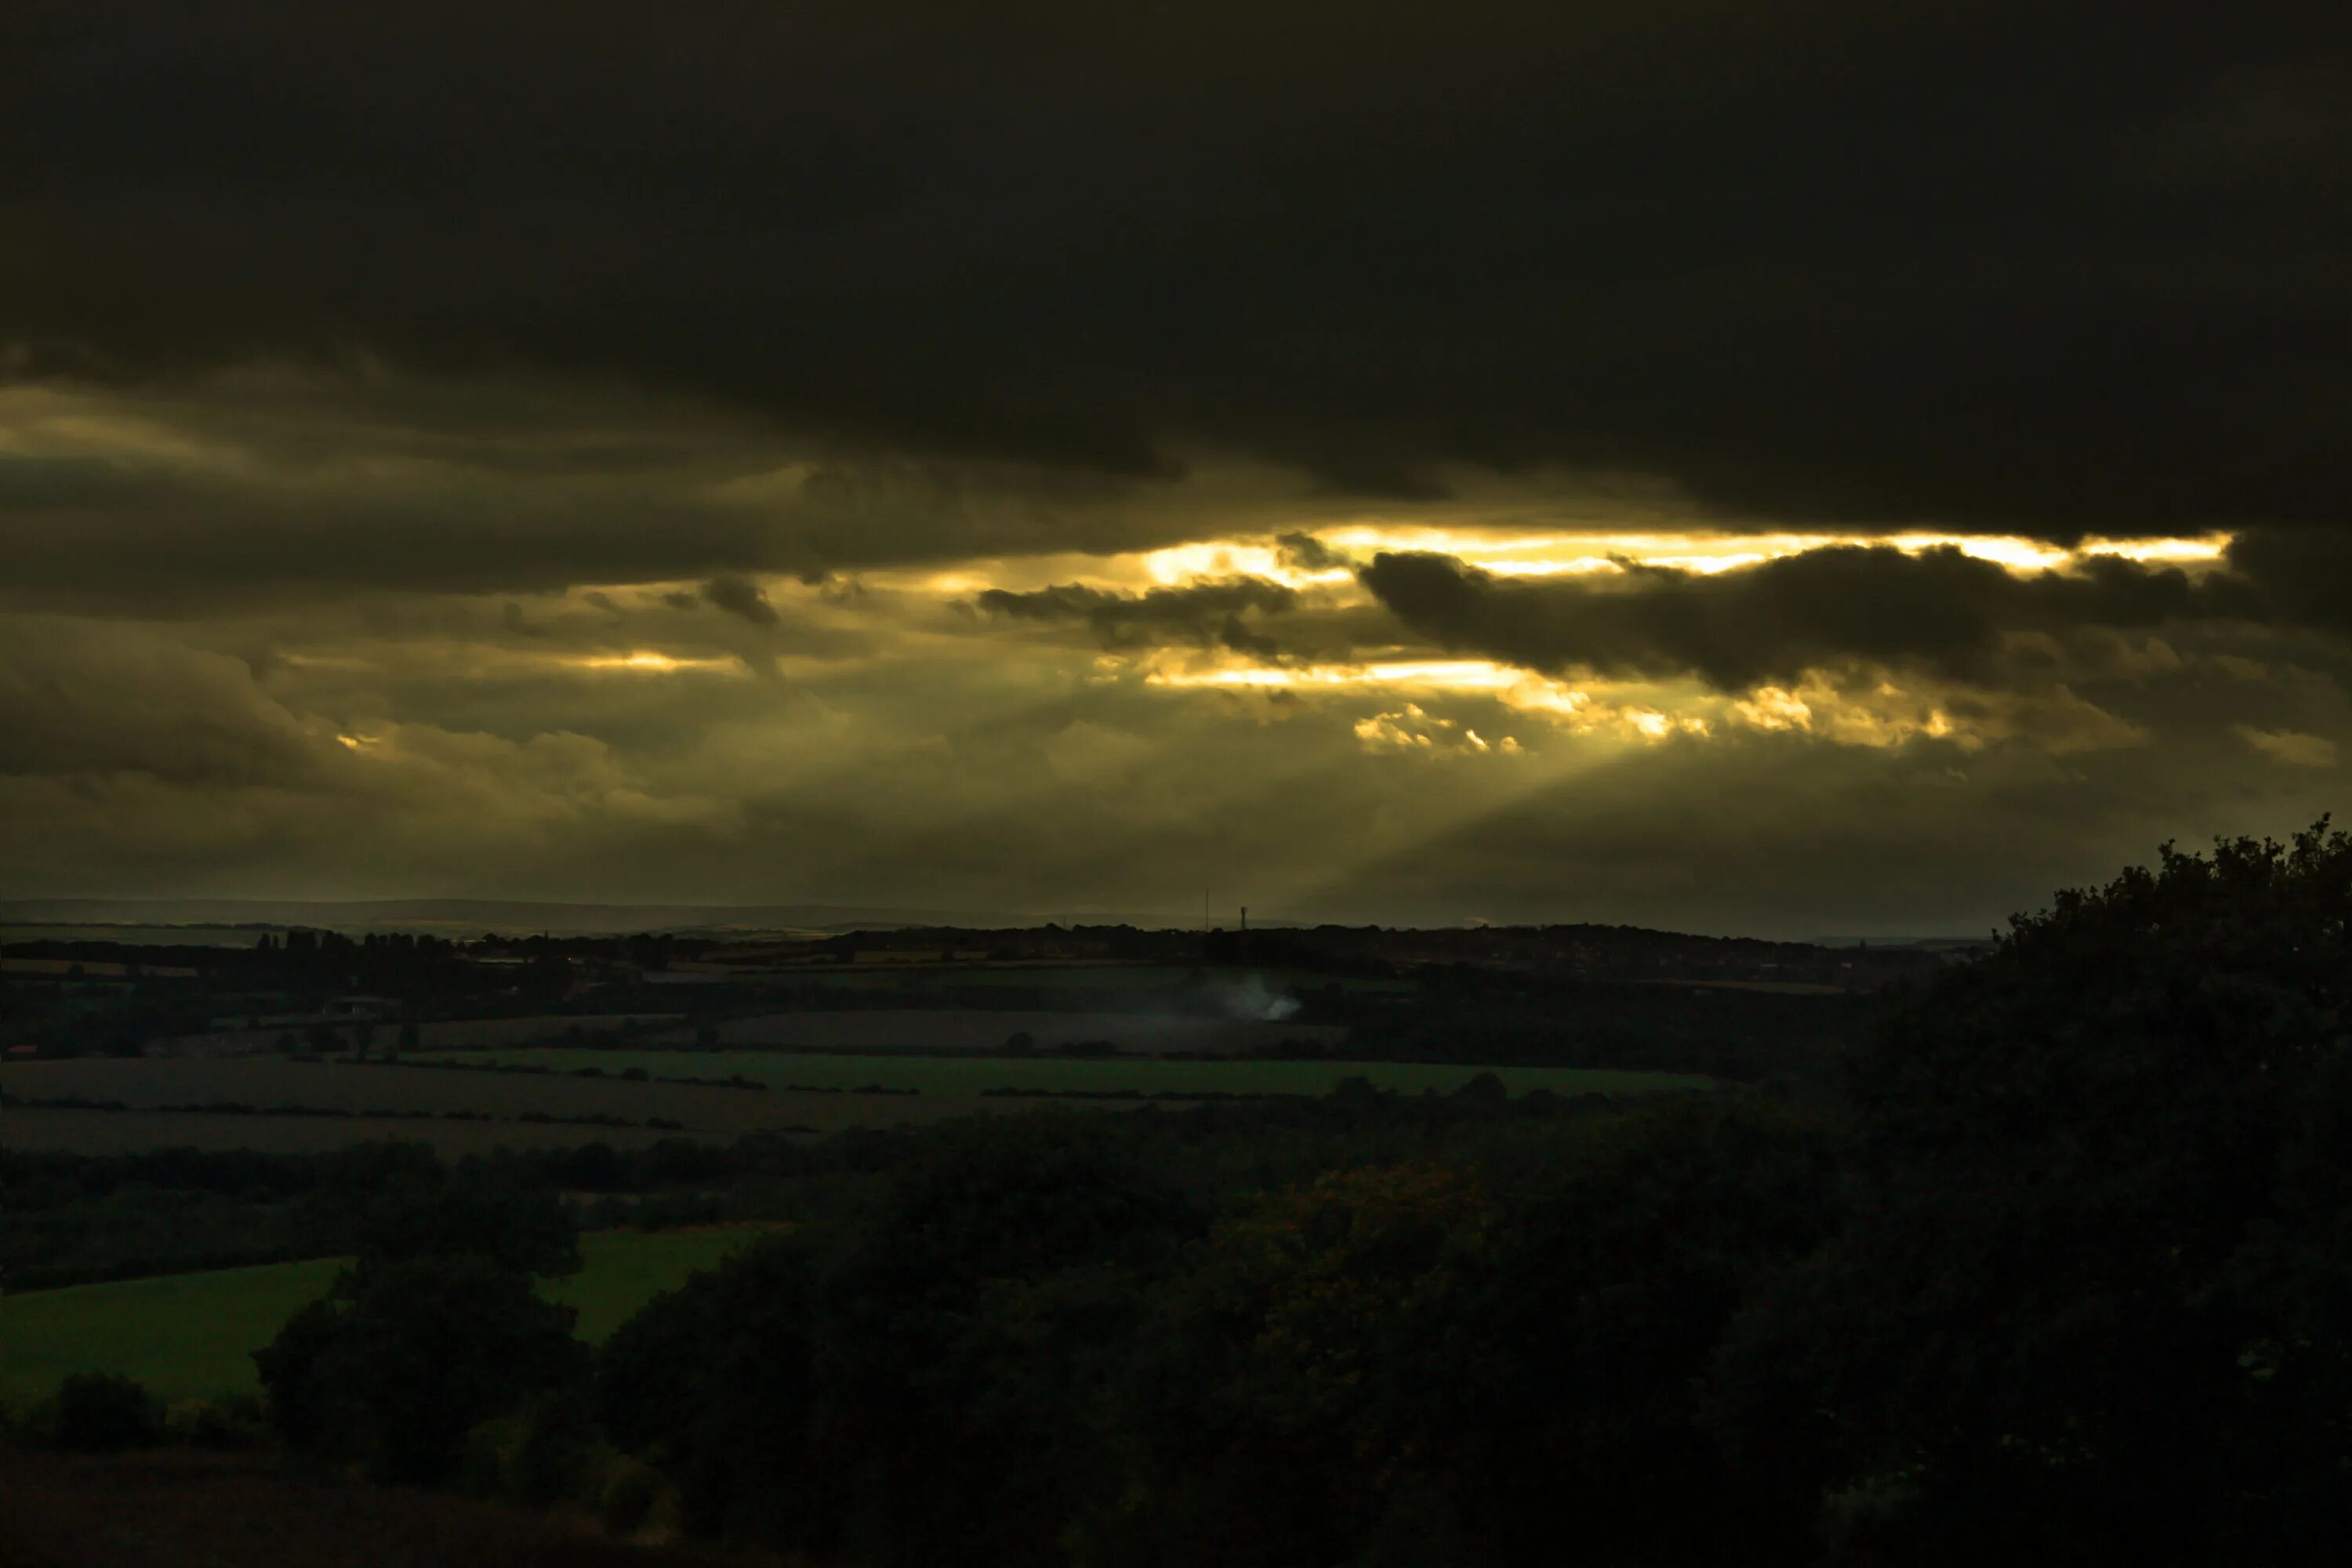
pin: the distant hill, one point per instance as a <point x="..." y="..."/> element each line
<point x="457" y="917"/>
<point x="522" y="917"/>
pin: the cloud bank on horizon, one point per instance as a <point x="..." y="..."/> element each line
<point x="1826" y="467"/>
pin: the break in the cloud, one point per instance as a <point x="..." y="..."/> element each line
<point x="1832" y="467"/>
<point x="1207" y="612"/>
<point x="1939" y="610"/>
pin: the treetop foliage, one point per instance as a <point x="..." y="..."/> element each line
<point x="2057" y="1269"/>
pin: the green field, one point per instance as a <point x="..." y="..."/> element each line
<point x="454" y="1034"/>
<point x="363" y="1089"/>
<point x="192" y="1335"/>
<point x="968" y="1076"/>
<point x="366" y="1097"/>
<point x="119" y="1133"/>
<point x="429" y="1101"/>
<point x="627" y="1268"/>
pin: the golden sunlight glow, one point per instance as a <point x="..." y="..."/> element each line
<point x="1528" y="555"/>
<point x="1421" y="708"/>
<point x="1435" y="674"/>
<point x="1772" y="708"/>
<point x="946" y="585"/>
<point x="647" y="663"/>
<point x="2207" y="550"/>
<point x="1181" y="563"/>
<point x="1885" y="716"/>
<point x="1505" y="554"/>
<point x="1412" y="727"/>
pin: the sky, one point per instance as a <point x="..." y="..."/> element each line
<point x="1822" y="468"/>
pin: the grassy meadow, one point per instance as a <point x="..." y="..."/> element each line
<point x="374" y="1090"/>
<point x="475" y="1113"/>
<point x="451" y="1034"/>
<point x="974" y="1076"/>
<point x="120" y="1132"/>
<point x="456" y="1112"/>
<point x="194" y="1335"/>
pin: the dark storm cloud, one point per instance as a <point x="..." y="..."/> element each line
<point x="1938" y="610"/>
<point x="741" y="596"/>
<point x="202" y="543"/>
<point x="2059" y="267"/>
<point x="30" y="484"/>
<point x="2307" y="572"/>
<point x="1305" y="552"/>
<point x="78" y="701"/>
<point x="244" y="491"/>
<point x="1204" y="612"/>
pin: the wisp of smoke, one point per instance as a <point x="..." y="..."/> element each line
<point x="1253" y="999"/>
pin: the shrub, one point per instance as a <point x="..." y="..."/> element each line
<point x="412" y="1359"/>
<point x="560" y="1453"/>
<point x="232" y="1421"/>
<point x="104" y="1412"/>
<point x="631" y="1493"/>
<point x="547" y="1453"/>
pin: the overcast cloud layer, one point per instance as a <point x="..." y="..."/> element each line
<point x="1042" y="456"/>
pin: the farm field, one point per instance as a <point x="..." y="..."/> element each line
<point x="985" y="1029"/>
<point x="194" y="1335"/>
<point x="1143" y="978"/>
<point x="122" y="1133"/>
<point x="811" y="1093"/>
<point x="625" y="1270"/>
<point x="182" y="1335"/>
<point x="427" y="1095"/>
<point x="361" y="1088"/>
<point x="439" y="1035"/>
<point x="971" y="1076"/>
